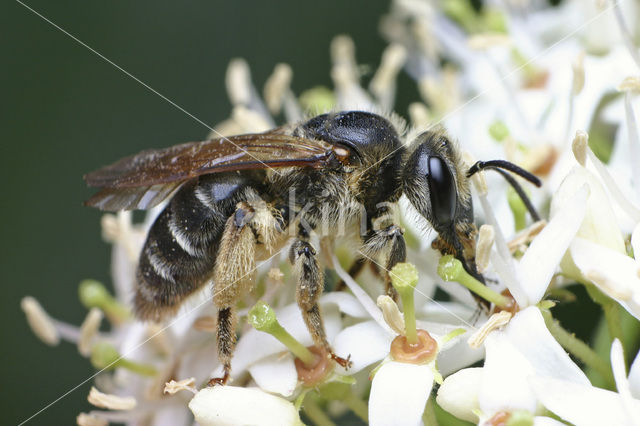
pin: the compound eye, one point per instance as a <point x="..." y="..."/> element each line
<point x="442" y="191"/>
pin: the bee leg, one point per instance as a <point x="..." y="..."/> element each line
<point x="390" y="242"/>
<point x="233" y="276"/>
<point x="310" y="285"/>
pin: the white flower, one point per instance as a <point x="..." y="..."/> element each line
<point x="524" y="349"/>
<point x="230" y="405"/>
<point x="583" y="404"/>
<point x="269" y="362"/>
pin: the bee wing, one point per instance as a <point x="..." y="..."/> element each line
<point x="145" y="179"/>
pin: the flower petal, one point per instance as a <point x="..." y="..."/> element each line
<point x="635" y="242"/>
<point x="276" y="374"/>
<point x="614" y="273"/>
<point x="579" y="404"/>
<point x="634" y="377"/>
<point x="599" y="224"/>
<point x="622" y="383"/>
<point x="229" y="405"/>
<point x="543" y="256"/>
<point x="459" y="355"/>
<point x="458" y="394"/>
<point x="546" y="421"/>
<point x="346" y="303"/>
<point x="529" y="334"/>
<point x="504" y="381"/>
<point x="399" y="393"/>
<point x="366" y="342"/>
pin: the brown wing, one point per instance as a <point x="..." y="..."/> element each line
<point x="145" y="179"/>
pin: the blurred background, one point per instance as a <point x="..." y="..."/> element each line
<point x="66" y="111"/>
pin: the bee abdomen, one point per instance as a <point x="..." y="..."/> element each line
<point x="180" y="251"/>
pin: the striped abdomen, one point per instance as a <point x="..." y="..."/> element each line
<point x="179" y="254"/>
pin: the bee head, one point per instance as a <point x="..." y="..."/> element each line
<point x="434" y="180"/>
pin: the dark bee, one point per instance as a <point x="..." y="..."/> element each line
<point x="239" y="199"/>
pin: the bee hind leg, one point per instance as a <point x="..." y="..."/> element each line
<point x="234" y="274"/>
<point x="309" y="289"/>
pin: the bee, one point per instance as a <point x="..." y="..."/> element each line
<point x="236" y="200"/>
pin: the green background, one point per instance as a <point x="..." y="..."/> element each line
<point x="65" y="112"/>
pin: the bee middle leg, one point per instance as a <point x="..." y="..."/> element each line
<point x="308" y="291"/>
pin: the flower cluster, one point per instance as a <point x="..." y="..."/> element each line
<point x="548" y="88"/>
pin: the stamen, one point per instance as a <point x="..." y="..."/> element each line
<point x="391" y="314"/>
<point x="84" y="419"/>
<point x="111" y="402"/>
<point x="238" y="82"/>
<point x="277" y="86"/>
<point x="494" y="322"/>
<point x="580" y="147"/>
<point x="404" y="277"/>
<point x="420" y="116"/>
<point x="451" y="269"/>
<point x="383" y="83"/>
<point x="89" y="330"/>
<point x="39" y="321"/>
<point x="174" y="387"/>
<point x="486" y="237"/>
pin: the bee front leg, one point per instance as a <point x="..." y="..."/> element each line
<point x="310" y="286"/>
<point x="389" y="243"/>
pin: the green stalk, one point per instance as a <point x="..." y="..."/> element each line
<point x="263" y="318"/>
<point x="315" y="413"/>
<point x="578" y="348"/>
<point x="451" y="269"/>
<point x="429" y="415"/>
<point x="404" y="278"/>
<point x="358" y="406"/>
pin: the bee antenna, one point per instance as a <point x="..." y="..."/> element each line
<point x="500" y="166"/>
<point x="505" y="165"/>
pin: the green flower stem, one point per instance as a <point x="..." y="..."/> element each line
<point x="518" y="209"/>
<point x="404" y="278"/>
<point x="614" y="320"/>
<point x="429" y="414"/>
<point x="578" y="348"/>
<point x="611" y="311"/>
<point x="315" y="413"/>
<point x="104" y="355"/>
<point x="358" y="406"/>
<point x="263" y="318"/>
<point x="94" y="295"/>
<point x="451" y="269"/>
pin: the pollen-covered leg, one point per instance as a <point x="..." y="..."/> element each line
<point x="388" y="244"/>
<point x="310" y="286"/>
<point x="235" y="270"/>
